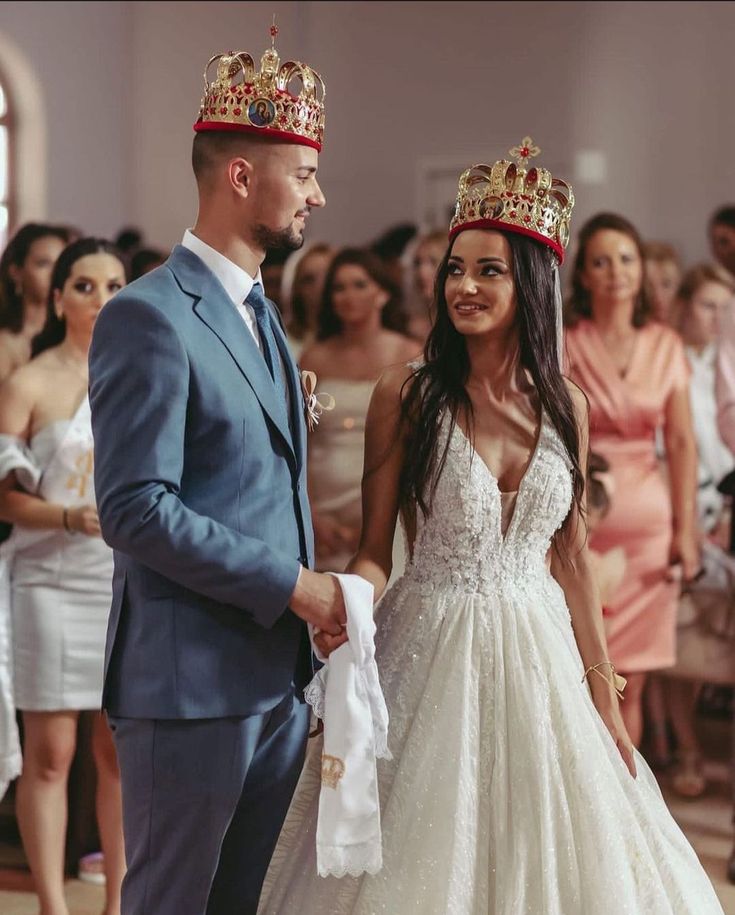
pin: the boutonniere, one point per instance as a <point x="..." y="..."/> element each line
<point x="314" y="404"/>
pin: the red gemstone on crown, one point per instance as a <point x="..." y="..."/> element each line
<point x="274" y="31"/>
<point x="237" y="112"/>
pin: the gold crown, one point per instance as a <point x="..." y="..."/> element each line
<point x="508" y="197"/>
<point x="332" y="770"/>
<point x="260" y="102"/>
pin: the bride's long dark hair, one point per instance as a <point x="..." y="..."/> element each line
<point x="438" y="386"/>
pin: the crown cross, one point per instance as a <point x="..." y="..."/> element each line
<point x="274" y="32"/>
<point x="525" y="150"/>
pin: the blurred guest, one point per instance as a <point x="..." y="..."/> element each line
<point x="705" y="291"/>
<point x="271" y="271"/>
<point x="25" y="275"/>
<point x="704" y="294"/>
<point x="73" y="233"/>
<point x="662" y="269"/>
<point x="722" y="244"/>
<point x="144" y="260"/>
<point x="302" y="286"/>
<point x="390" y="246"/>
<point x="60" y="571"/>
<point x="427" y="254"/>
<point x="361" y="332"/>
<point x="635" y="374"/>
<point x="722" y="237"/>
<point x="127" y="241"/>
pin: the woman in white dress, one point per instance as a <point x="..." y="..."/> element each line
<point x="60" y="571"/>
<point x="512" y="786"/>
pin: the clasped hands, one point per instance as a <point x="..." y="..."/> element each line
<point x="317" y="599"/>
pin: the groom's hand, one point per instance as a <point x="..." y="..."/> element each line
<point x="317" y="599"/>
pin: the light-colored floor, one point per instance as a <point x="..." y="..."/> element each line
<point x="706" y="821"/>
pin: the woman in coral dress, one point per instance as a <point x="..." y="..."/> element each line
<point x="635" y="374"/>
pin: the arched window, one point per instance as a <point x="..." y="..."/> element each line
<point x="6" y="173"/>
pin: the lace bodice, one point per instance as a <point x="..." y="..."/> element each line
<point x="461" y="544"/>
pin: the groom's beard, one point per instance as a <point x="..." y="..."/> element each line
<point x="289" y="239"/>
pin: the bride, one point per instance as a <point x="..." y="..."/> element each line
<point x="514" y="788"/>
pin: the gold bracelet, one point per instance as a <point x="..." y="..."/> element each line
<point x="65" y="522"/>
<point x="618" y="682"/>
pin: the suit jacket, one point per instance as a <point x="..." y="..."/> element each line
<point x="200" y="477"/>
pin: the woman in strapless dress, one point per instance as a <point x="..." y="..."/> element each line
<point x="59" y="571"/>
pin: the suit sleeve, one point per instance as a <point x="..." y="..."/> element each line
<point x="139" y="382"/>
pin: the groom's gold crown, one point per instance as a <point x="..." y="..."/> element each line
<point x="284" y="101"/>
<point x="511" y="197"/>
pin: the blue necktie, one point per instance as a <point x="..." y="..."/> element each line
<point x="260" y="306"/>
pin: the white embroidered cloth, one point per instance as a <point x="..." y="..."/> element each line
<point x="346" y="695"/>
<point x="14" y="455"/>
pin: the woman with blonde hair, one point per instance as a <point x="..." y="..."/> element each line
<point x="662" y="268"/>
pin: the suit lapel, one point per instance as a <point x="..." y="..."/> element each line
<point x="293" y="380"/>
<point x="215" y="309"/>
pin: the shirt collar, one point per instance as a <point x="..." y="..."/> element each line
<point x="236" y="282"/>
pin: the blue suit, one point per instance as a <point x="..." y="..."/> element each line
<point x="200" y="476"/>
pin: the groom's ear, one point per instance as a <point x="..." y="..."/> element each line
<point x="239" y="176"/>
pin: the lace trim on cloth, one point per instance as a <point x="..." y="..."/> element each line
<point x="315" y="692"/>
<point x="355" y="860"/>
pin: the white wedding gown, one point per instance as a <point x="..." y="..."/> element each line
<point x="506" y="794"/>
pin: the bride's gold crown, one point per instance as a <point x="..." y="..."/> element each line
<point x="512" y="198"/>
<point x="241" y="98"/>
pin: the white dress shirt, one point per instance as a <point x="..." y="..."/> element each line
<point x="715" y="457"/>
<point x="237" y="282"/>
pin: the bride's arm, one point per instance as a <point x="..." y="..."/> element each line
<point x="572" y="568"/>
<point x="384" y="451"/>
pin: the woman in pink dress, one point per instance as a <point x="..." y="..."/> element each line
<point x="635" y="374"/>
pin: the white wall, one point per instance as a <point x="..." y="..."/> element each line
<point x="81" y="55"/>
<point x="645" y="84"/>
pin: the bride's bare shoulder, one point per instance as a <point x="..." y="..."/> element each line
<point x="394" y="383"/>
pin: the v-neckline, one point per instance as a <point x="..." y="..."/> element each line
<point x="622" y="377"/>
<point x="496" y="485"/>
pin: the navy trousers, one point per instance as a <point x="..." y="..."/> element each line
<point x="203" y="805"/>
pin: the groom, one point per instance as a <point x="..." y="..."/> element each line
<point x="200" y="444"/>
